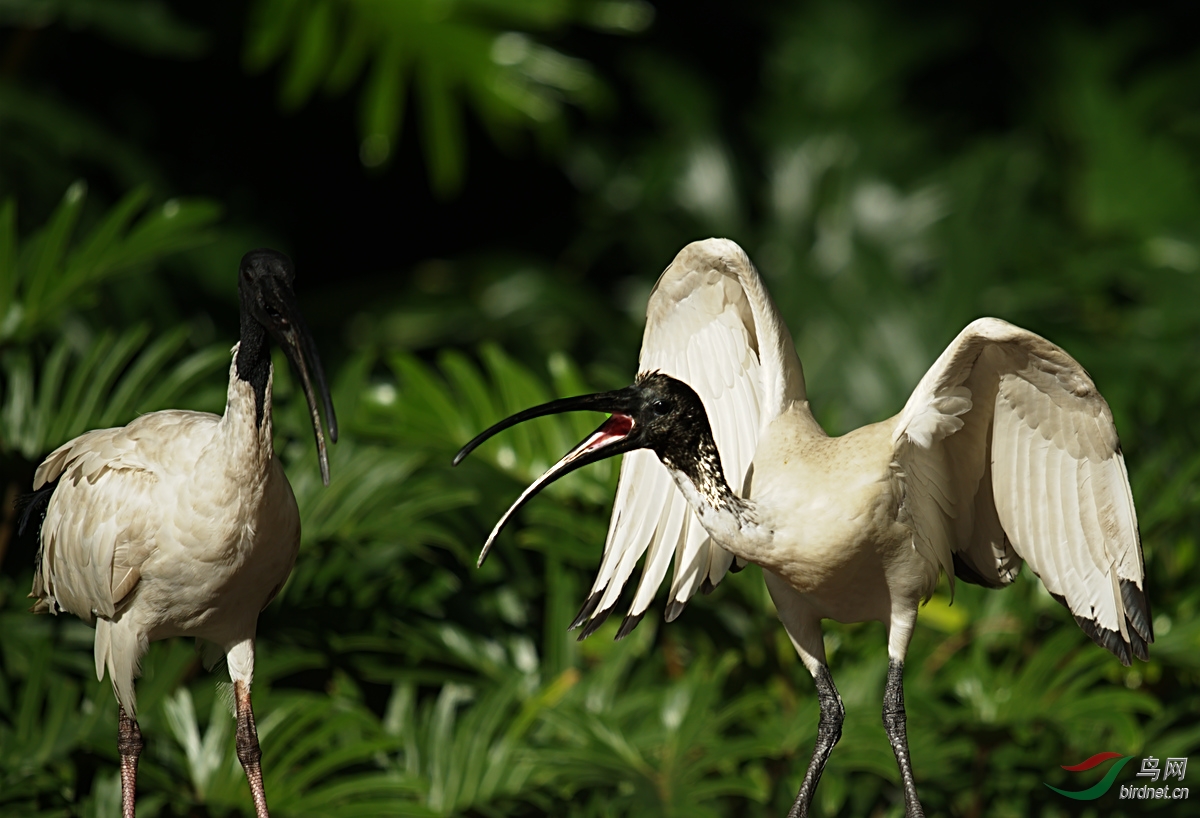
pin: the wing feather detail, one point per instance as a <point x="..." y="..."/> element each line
<point x="92" y="528"/>
<point x="103" y="516"/>
<point x="711" y="324"/>
<point x="1008" y="441"/>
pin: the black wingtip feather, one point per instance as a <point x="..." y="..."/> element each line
<point x="674" y="609"/>
<point x="628" y="624"/>
<point x="585" y="613"/>
<point x="1109" y="640"/>
<point x="1137" y="609"/>
<point x="595" y="624"/>
<point x="1136" y="642"/>
<point x="707" y="587"/>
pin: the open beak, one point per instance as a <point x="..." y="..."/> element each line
<point x="293" y="336"/>
<point x="616" y="435"/>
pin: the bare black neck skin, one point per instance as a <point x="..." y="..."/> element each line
<point x="690" y="453"/>
<point x="254" y="362"/>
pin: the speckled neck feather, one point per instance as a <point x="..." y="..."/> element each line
<point x="692" y="451"/>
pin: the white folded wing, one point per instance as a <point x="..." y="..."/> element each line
<point x="104" y="516"/>
<point x="711" y="324"/>
<point x="1009" y="452"/>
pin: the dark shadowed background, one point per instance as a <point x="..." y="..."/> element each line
<point x="478" y="195"/>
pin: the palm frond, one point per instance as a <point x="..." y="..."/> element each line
<point x="54" y="270"/>
<point x="115" y="377"/>
<point x="481" y="50"/>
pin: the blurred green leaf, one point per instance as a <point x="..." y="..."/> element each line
<point x="117" y="378"/>
<point x="54" y="272"/>
<point x="480" y="53"/>
<point x="146" y="25"/>
<point x="893" y="173"/>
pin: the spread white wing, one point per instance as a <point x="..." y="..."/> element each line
<point x="711" y="324"/>
<point x="1009" y="452"/>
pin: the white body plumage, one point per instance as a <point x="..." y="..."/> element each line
<point x="178" y="524"/>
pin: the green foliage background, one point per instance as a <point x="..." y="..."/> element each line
<point x="888" y="192"/>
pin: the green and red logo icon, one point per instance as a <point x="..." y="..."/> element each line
<point x="1100" y="787"/>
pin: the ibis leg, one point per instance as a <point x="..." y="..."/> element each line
<point x="803" y="625"/>
<point x="129" y="745"/>
<point x="248" y="751"/>
<point x="894" y="724"/>
<point x="829" y="730"/>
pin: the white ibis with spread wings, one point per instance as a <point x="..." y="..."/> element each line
<point x="1005" y="453"/>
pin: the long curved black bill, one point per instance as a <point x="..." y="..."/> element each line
<point x="310" y="349"/>
<point x="300" y="349"/>
<point x="615" y="436"/>
<point x="618" y="401"/>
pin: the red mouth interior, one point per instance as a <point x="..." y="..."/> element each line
<point x="612" y="430"/>
<point x="617" y="425"/>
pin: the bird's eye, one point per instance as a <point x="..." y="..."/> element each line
<point x="660" y="407"/>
